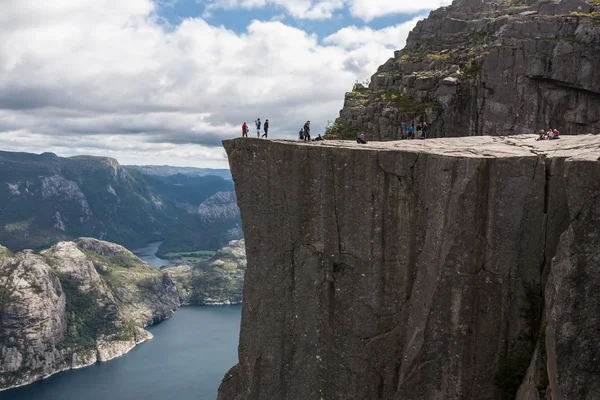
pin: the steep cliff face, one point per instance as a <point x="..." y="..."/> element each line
<point x="73" y="305"/>
<point x="487" y="68"/>
<point x="418" y="270"/>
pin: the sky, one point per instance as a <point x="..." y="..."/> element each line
<point x="165" y="81"/>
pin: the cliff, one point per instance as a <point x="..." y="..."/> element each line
<point x="73" y="305"/>
<point x="443" y="269"/>
<point x="498" y="67"/>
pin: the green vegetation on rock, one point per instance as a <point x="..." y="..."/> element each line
<point x="88" y="321"/>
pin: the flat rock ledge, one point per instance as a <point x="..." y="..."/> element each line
<point x="423" y="269"/>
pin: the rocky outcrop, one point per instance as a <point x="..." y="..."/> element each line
<point x="441" y="269"/>
<point x="220" y="280"/>
<point x="217" y="281"/>
<point x="73" y="305"/>
<point x="497" y="67"/>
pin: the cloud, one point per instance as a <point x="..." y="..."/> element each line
<point x="367" y="10"/>
<point x="301" y="9"/>
<point x="106" y="77"/>
<point x="392" y="37"/>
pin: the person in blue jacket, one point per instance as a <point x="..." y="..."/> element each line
<point x="410" y="130"/>
<point x="258" y="124"/>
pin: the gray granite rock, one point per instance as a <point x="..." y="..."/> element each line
<point x="410" y="269"/>
<point x="73" y="305"/>
<point x="518" y="66"/>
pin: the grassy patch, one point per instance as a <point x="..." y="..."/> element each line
<point x="87" y="321"/>
<point x="191" y="256"/>
<point x="17" y="226"/>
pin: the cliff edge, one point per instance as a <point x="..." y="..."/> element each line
<point x="444" y="269"/>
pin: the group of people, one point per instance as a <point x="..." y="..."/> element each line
<point x="259" y="125"/>
<point x="551" y="134"/>
<point x="420" y="132"/>
<point x="304" y="133"/>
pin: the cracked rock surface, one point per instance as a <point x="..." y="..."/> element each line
<point x="404" y="270"/>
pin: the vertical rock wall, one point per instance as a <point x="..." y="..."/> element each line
<point x="388" y="272"/>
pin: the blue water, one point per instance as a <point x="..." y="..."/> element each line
<point x="148" y="254"/>
<point x="186" y="360"/>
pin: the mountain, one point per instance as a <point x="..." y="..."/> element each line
<point x="167" y="170"/>
<point x="188" y="192"/>
<point x="219" y="280"/>
<point x="73" y="305"/>
<point x="216" y="222"/>
<point x="45" y="199"/>
<point x="456" y="268"/>
<point x="486" y="68"/>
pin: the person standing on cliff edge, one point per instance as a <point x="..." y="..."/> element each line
<point x="244" y="130"/>
<point x="258" y="124"/>
<point x="307" y="131"/>
<point x="266" y="129"/>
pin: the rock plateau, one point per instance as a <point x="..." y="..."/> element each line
<point x="461" y="268"/>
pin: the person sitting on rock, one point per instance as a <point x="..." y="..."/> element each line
<point x="301" y="134"/>
<point x="318" y="138"/>
<point x="361" y="139"/>
<point x="542" y="135"/>
<point x="556" y="134"/>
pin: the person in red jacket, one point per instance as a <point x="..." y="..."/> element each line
<point x="244" y="130"/>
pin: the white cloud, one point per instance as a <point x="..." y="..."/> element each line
<point x="104" y="77"/>
<point x="390" y="37"/>
<point x="301" y="9"/>
<point x="366" y="10"/>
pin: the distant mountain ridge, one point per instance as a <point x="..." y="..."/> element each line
<point x="216" y="222"/>
<point x="167" y="170"/>
<point x="45" y="199"/>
